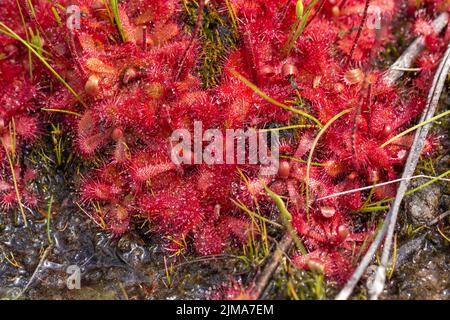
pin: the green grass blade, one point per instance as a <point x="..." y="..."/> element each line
<point x="62" y="111"/>
<point x="315" y="164"/>
<point x="7" y="31"/>
<point x="286" y="217"/>
<point x="232" y="14"/>
<point x="298" y="126"/>
<point x="116" y="13"/>
<point x="271" y="100"/>
<point x="57" y="17"/>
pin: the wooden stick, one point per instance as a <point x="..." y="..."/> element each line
<point x="264" y="278"/>
<point x="389" y="223"/>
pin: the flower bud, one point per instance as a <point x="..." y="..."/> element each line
<point x="117" y="134"/>
<point x="342" y="232"/>
<point x="284" y="169"/>
<point x="92" y="86"/>
<point x="289" y="70"/>
<point x="299" y="9"/>
<point x="129" y="75"/>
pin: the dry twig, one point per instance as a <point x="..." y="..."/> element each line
<point x="264" y="278"/>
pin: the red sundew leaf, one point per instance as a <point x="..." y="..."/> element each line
<point x="207" y="241"/>
<point x="175" y="211"/>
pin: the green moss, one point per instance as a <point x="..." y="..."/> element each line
<point x="217" y="38"/>
<point x="55" y="163"/>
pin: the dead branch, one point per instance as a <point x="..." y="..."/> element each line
<point x="405" y="61"/>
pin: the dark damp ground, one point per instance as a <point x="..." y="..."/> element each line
<point x="35" y="261"/>
<point x="423" y="258"/>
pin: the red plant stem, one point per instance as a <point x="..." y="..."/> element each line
<point x="74" y="53"/>
<point x="360" y="28"/>
<point x="201" y="8"/>
<point x="42" y="33"/>
<point x="250" y="55"/>
<point x="285" y="11"/>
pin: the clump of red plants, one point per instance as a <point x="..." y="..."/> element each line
<point x="126" y="79"/>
